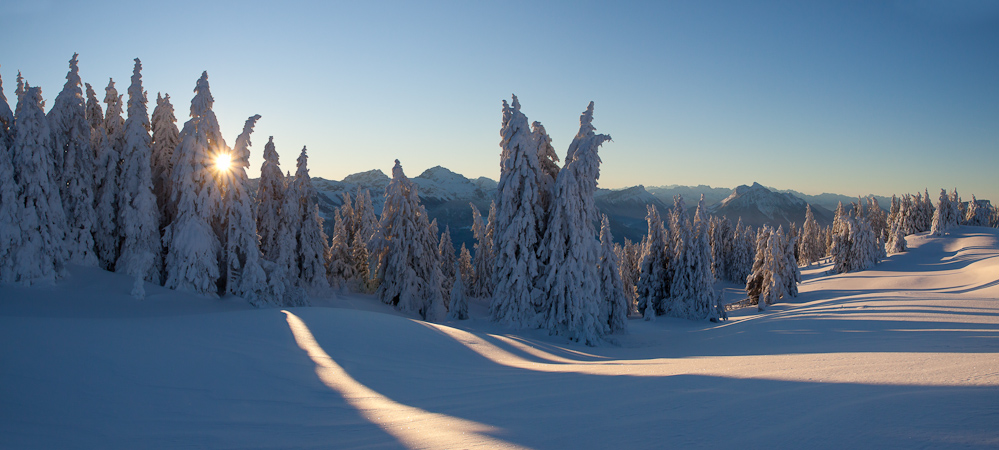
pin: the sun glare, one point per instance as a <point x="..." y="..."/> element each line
<point x="223" y="162"/>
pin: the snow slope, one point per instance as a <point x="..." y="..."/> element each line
<point x="902" y="356"/>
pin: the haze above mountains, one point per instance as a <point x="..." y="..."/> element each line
<point x="447" y="196"/>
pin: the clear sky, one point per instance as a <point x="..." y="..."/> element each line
<point x="845" y="97"/>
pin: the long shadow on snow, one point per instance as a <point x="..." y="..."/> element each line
<point x="571" y="410"/>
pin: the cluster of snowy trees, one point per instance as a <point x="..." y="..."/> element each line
<point x="83" y="185"/>
<point x="136" y="195"/>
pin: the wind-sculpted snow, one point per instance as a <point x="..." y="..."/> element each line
<point x="903" y="355"/>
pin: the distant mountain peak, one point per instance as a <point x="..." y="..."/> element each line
<point x="373" y="175"/>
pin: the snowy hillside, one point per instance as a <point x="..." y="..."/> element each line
<point x="757" y="205"/>
<point x="902" y="356"/>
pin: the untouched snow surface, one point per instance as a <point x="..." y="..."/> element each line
<point x="902" y="356"/>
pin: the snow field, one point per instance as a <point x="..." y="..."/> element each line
<point x="905" y="355"/>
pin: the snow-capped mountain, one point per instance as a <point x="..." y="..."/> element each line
<point x="757" y="205"/>
<point x="447" y="196"/>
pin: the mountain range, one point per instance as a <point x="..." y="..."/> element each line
<point x="447" y="197"/>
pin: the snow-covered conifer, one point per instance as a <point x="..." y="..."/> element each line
<point x="481" y="284"/>
<point x="653" y="280"/>
<point x="74" y="167"/>
<point x="518" y="213"/>
<point x="810" y="246"/>
<point x="630" y="262"/>
<point x="548" y="161"/>
<point x="445" y="251"/>
<point x="408" y="268"/>
<point x="138" y="215"/>
<point x="312" y="246"/>
<point x="166" y="137"/>
<point x="762" y="272"/>
<point x="570" y="250"/>
<point x="366" y="223"/>
<point x="614" y="307"/>
<point x="244" y="274"/>
<point x="270" y="197"/>
<point x="458" y="306"/>
<point x="703" y="301"/>
<point x="10" y="229"/>
<point x="681" y="267"/>
<point x="360" y="256"/>
<point x="341" y="268"/>
<point x="943" y="216"/>
<point x="113" y="122"/>
<point x="105" y="229"/>
<point x="465" y="267"/>
<point x="193" y="247"/>
<point x="40" y="255"/>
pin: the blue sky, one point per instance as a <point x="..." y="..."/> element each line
<point x="846" y="97"/>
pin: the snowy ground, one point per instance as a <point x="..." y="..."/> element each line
<point x="902" y="356"/>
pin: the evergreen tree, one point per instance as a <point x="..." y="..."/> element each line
<point x="614" y="307"/>
<point x="653" y="280"/>
<point x="166" y="137"/>
<point x="570" y="250"/>
<point x="113" y="122"/>
<point x="365" y="222"/>
<point x="445" y="251"/>
<point x="483" y="261"/>
<point x="704" y="300"/>
<point x="10" y="213"/>
<point x="944" y="216"/>
<point x="312" y="247"/>
<point x="244" y="274"/>
<point x="138" y="215"/>
<point x="762" y="273"/>
<point x="721" y="236"/>
<point x="270" y="197"/>
<point x="548" y="162"/>
<point x="465" y="268"/>
<point x="360" y="257"/>
<point x="408" y="268"/>
<point x="193" y="247"/>
<point x="518" y="213"/>
<point x="40" y="255"/>
<point x="458" y="306"/>
<point x="897" y="227"/>
<point x="810" y="247"/>
<point x="681" y="266"/>
<point x="105" y="229"/>
<point x="341" y="268"/>
<point x="743" y="251"/>
<point x="74" y="167"/>
<point x="630" y="258"/>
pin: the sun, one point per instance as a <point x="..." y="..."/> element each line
<point x="223" y="162"/>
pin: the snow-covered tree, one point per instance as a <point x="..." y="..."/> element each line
<point x="408" y="268"/>
<point x="465" y="267"/>
<point x="10" y="213"/>
<point x="359" y="257"/>
<point x="614" y="307"/>
<point x="40" y="255"/>
<point x="113" y="122"/>
<point x="448" y="259"/>
<point x="301" y="214"/>
<point x="630" y="262"/>
<point x="270" y="197"/>
<point x="518" y="213"/>
<point x="761" y="273"/>
<point x="570" y="249"/>
<point x="458" y="306"/>
<point x="682" y="262"/>
<point x="193" y="247"/>
<point x="364" y="214"/>
<point x="341" y="268"/>
<point x="105" y="229"/>
<point x="481" y="284"/>
<point x="138" y="215"/>
<point x="548" y="162"/>
<point x="166" y="137"/>
<point x="704" y="300"/>
<point x="977" y="214"/>
<point x="810" y="246"/>
<point x="945" y="216"/>
<point x="898" y="226"/>
<point x="74" y="167"/>
<point x="743" y="249"/>
<point x="653" y="280"/>
<point x="244" y="274"/>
